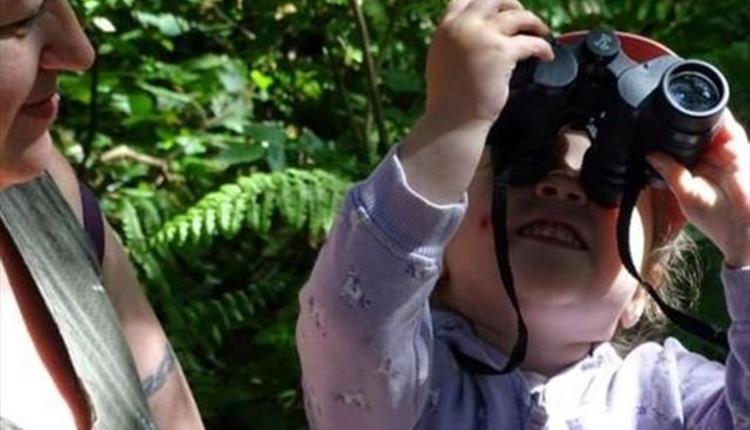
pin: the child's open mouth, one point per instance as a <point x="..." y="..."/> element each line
<point x="553" y="232"/>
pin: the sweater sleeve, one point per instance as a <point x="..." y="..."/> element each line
<point x="727" y="407"/>
<point x="364" y="333"/>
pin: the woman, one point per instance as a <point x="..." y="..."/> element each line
<point x="80" y="347"/>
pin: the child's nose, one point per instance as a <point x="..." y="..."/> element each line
<point x="562" y="185"/>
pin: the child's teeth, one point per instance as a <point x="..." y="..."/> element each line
<point x="551" y="231"/>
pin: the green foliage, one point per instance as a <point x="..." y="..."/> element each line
<point x="302" y="198"/>
<point x="224" y="133"/>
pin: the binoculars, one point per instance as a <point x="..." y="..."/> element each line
<point x="628" y="109"/>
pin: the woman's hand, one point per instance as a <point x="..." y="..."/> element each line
<point x="469" y="65"/>
<point x="714" y="194"/>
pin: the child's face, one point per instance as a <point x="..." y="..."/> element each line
<point x="563" y="252"/>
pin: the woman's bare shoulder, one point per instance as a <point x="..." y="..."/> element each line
<point x="65" y="178"/>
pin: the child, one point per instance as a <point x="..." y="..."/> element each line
<point x="375" y="355"/>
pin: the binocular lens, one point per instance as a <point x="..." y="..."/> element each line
<point x="694" y="91"/>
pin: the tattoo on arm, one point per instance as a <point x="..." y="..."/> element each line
<point x="152" y="383"/>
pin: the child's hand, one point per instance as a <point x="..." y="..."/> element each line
<point x="469" y="65"/>
<point x="714" y="195"/>
<point x="473" y="54"/>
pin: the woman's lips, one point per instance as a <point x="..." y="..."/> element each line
<point x="43" y="109"/>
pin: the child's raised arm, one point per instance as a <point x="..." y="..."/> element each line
<point x="469" y="65"/>
<point x="364" y="332"/>
<point x="715" y="197"/>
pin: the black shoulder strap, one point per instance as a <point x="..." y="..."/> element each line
<point x="92" y="220"/>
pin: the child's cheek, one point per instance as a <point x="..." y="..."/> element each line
<point x="484" y="222"/>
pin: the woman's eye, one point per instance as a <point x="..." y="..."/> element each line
<point x="21" y="28"/>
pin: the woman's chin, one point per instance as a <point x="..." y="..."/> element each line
<point x="22" y="161"/>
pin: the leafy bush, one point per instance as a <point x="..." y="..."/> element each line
<point x="221" y="135"/>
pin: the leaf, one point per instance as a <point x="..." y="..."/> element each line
<point x="141" y="105"/>
<point x="104" y="24"/>
<point x="297" y="195"/>
<point x="232" y="80"/>
<point x="402" y="81"/>
<point x="240" y="153"/>
<point x="167" y="23"/>
<point x="262" y="81"/>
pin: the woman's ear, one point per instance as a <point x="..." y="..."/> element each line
<point x="633" y="309"/>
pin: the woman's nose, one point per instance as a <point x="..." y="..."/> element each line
<point x="67" y="47"/>
<point x="561" y="185"/>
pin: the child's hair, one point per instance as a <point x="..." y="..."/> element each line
<point x="673" y="270"/>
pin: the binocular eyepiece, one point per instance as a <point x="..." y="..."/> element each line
<point x="628" y="109"/>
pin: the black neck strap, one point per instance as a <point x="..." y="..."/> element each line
<point x="686" y="322"/>
<point x="500" y="187"/>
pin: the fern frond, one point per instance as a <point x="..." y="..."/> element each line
<point x="306" y="200"/>
<point x="220" y="314"/>
<point x="151" y="263"/>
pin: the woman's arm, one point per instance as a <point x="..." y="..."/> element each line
<point x="164" y="383"/>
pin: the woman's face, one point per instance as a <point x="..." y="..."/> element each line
<point x="38" y="39"/>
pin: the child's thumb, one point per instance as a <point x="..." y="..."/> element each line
<point x="674" y="174"/>
<point x="690" y="190"/>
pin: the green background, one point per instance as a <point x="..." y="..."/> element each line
<point x="220" y="136"/>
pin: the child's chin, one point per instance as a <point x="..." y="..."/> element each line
<point x="548" y="260"/>
<point x="551" y="275"/>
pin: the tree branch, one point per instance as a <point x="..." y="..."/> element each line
<point x="372" y="78"/>
<point x="249" y="35"/>
<point x="338" y="76"/>
<point x="124" y="152"/>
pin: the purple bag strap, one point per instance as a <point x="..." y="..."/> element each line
<point x="92" y="220"/>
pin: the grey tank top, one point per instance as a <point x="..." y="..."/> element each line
<point x="64" y="267"/>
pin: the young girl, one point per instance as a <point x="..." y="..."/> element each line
<point x="375" y="355"/>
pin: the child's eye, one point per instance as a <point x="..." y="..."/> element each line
<point x="21" y="28"/>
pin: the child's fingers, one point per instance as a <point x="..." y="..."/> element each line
<point x="670" y="169"/>
<point x="733" y="127"/>
<point x="729" y="130"/>
<point x="686" y="187"/>
<point x="523" y="46"/>
<point x="491" y="7"/>
<point x="455" y="7"/>
<point x="729" y="145"/>
<point x="520" y="21"/>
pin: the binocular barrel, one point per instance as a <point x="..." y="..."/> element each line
<point x="628" y="108"/>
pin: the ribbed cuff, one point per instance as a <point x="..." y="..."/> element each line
<point x="412" y="222"/>
<point x="737" y="290"/>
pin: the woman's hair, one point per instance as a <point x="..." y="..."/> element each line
<point x="673" y="270"/>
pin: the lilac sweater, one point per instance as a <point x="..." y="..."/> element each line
<point x="375" y="356"/>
